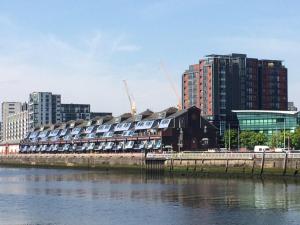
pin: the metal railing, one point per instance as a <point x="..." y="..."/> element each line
<point x="219" y="156"/>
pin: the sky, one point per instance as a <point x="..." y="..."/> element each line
<point x="83" y="49"/>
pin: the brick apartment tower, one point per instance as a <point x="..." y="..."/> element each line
<point x="222" y="83"/>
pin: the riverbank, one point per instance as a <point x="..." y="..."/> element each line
<point x="129" y="161"/>
<point x="241" y="164"/>
<point x="184" y="164"/>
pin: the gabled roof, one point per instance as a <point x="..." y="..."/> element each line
<point x="178" y="113"/>
<point x="168" y="112"/>
<point x="123" y="117"/>
<point x="146" y="113"/>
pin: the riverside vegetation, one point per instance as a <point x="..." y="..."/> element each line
<point x="248" y="139"/>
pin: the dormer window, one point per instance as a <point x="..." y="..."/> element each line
<point x="164" y="123"/>
<point x="76" y="131"/>
<point x="143" y="125"/>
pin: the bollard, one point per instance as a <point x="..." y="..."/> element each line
<point x="262" y="164"/>
<point x="285" y="164"/>
<point x="226" y="169"/>
<point x="253" y="165"/>
<point x="202" y="165"/>
<point x="296" y="169"/>
<point x="244" y="166"/>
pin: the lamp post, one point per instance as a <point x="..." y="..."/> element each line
<point x="284" y="133"/>
<point x="229" y="138"/>
<point x="238" y="138"/>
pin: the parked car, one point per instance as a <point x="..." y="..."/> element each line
<point x="281" y="150"/>
<point x="261" y="148"/>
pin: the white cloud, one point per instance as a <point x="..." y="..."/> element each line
<point x="120" y="45"/>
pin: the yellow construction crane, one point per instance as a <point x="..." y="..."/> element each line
<point x="131" y="99"/>
<point x="179" y="106"/>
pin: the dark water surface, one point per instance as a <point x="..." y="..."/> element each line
<point x="50" y="196"/>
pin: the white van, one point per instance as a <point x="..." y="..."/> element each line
<point x="261" y="148"/>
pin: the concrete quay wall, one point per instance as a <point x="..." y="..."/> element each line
<point x="101" y="161"/>
<point x="180" y="163"/>
<point x="251" y="164"/>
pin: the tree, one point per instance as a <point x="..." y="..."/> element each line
<point x="278" y="139"/>
<point x="295" y="139"/>
<point x="246" y="139"/>
<point x="233" y="138"/>
<point x="249" y="139"/>
<point x="260" y="139"/>
<point x="275" y="140"/>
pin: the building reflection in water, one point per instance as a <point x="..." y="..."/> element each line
<point x="189" y="196"/>
<point x="190" y="192"/>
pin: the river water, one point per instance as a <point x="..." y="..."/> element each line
<point x="52" y="196"/>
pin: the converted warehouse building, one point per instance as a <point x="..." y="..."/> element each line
<point x="179" y="130"/>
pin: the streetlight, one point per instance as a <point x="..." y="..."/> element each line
<point x="229" y="138"/>
<point x="283" y="133"/>
<point x="238" y="138"/>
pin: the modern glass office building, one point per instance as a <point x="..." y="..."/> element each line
<point x="267" y="122"/>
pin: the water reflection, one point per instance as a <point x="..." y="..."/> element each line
<point x="40" y="196"/>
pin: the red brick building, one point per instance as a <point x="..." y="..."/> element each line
<point x="219" y="84"/>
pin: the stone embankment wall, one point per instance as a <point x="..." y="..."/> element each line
<point x="237" y="163"/>
<point x="101" y="161"/>
<point x="181" y="163"/>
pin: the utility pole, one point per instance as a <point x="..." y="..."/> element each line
<point x="238" y="138"/>
<point x="284" y="133"/>
<point x="229" y="138"/>
<point x="180" y="139"/>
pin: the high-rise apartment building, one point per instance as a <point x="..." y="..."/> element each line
<point x="56" y="108"/>
<point x="43" y="108"/>
<point x="219" y="84"/>
<point x="273" y="85"/>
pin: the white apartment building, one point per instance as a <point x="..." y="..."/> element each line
<point x="1" y="131"/>
<point x="16" y="127"/>
<point x="8" y="109"/>
<point x="43" y="108"/>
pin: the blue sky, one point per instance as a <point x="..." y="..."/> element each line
<point x="84" y="49"/>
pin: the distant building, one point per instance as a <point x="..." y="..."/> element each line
<point x="99" y="114"/>
<point x="292" y="107"/>
<point x="56" y="109"/>
<point x="8" y="109"/>
<point x="24" y="106"/>
<point x="16" y="127"/>
<point x="0" y="131"/>
<point x="14" y="121"/>
<point x="219" y="84"/>
<point x="75" y="112"/>
<point x="43" y="109"/>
